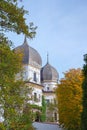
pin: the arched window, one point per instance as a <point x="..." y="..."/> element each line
<point x="35" y="78"/>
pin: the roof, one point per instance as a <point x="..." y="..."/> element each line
<point x="49" y="73"/>
<point x="30" y="55"/>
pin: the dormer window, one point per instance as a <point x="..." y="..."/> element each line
<point x="34" y="78"/>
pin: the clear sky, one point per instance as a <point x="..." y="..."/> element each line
<point x="62" y="31"/>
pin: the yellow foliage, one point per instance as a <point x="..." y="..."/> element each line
<point x="69" y="95"/>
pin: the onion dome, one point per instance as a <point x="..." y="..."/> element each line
<point x="49" y="73"/>
<point x="30" y="55"/>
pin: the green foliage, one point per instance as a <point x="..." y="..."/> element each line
<point x="12" y="97"/>
<point x="51" y="108"/>
<point x="36" y="107"/>
<point x="22" y="122"/>
<point x="2" y="126"/>
<point x="12" y="18"/>
<point x="84" y="99"/>
<point x="43" y="114"/>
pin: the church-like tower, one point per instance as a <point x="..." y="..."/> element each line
<point x="32" y="64"/>
<point x="49" y="79"/>
<point x="42" y="80"/>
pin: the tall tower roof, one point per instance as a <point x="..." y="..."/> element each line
<point x="30" y="55"/>
<point x="49" y="73"/>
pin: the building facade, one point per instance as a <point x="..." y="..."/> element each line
<point x="42" y="80"/>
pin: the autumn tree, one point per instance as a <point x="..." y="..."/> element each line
<point x="12" y="19"/>
<point x="69" y="94"/>
<point x="84" y="96"/>
<point x="11" y="97"/>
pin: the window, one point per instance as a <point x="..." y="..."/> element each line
<point x="39" y="97"/>
<point x="48" y="88"/>
<point x="34" y="78"/>
<point x="35" y="96"/>
<point x="55" y="116"/>
<point x="47" y="101"/>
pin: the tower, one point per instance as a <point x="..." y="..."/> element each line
<point x="49" y="79"/>
<point x="42" y="80"/>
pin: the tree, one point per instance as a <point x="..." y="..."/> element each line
<point x="9" y="88"/>
<point x="52" y="112"/>
<point x="43" y="116"/>
<point x="69" y="95"/>
<point x="12" y="18"/>
<point x="12" y="98"/>
<point x="84" y="96"/>
<point x="23" y="122"/>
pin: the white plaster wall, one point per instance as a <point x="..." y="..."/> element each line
<point x="25" y="72"/>
<point x="50" y="98"/>
<point x="31" y="71"/>
<point x="39" y="93"/>
<point x="51" y="85"/>
<point x="28" y="73"/>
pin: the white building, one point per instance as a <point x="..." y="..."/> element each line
<point x="43" y="80"/>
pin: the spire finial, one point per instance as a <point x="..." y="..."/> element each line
<point x="47" y="58"/>
<point x="25" y="40"/>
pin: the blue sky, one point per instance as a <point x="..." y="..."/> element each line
<point x="62" y="31"/>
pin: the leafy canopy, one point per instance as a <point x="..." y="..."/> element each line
<point x="84" y="97"/>
<point x="69" y="96"/>
<point x="12" y="98"/>
<point x="12" y="18"/>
